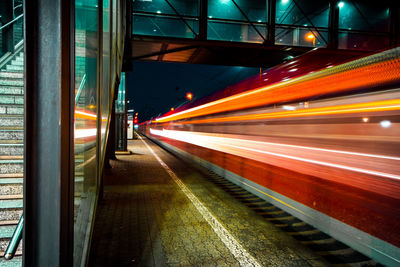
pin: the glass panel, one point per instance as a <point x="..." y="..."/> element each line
<point x="299" y="36"/>
<point x="120" y="117"/>
<point x="105" y="110"/>
<point x="292" y="12"/>
<point x="86" y="50"/>
<point x="163" y="26"/>
<point x="11" y="35"/>
<point x="237" y="32"/>
<point x="363" y="41"/>
<point x="364" y="15"/>
<point x="225" y="9"/>
<point x="183" y="7"/>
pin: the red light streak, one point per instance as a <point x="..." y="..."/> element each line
<point x="370" y="71"/>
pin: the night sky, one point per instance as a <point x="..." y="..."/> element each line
<point x="155" y="87"/>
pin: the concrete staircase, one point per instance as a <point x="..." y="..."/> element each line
<point x="11" y="152"/>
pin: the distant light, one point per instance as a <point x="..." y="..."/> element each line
<point x="136" y="126"/>
<point x="292" y="70"/>
<point x="385" y="123"/>
<point x="154" y="30"/>
<point x="210" y="17"/>
<point x="172" y="109"/>
<point x="310" y="36"/>
<point x="131" y="110"/>
<point x="285" y="1"/>
<point x="305" y="25"/>
<point x="158" y="12"/>
<point x="287" y="107"/>
<point x="365" y="119"/>
<point x="266" y="79"/>
<point x="340" y="4"/>
<point x="189" y="96"/>
<point x="259" y="20"/>
<point x="92" y="106"/>
<point x="137" y="113"/>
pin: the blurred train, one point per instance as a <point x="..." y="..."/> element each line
<point x="317" y="136"/>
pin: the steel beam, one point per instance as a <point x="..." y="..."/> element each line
<point x="49" y="102"/>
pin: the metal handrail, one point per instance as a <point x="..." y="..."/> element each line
<point x="11" y="22"/>
<point x="15" y="239"/>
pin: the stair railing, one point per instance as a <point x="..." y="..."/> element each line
<point x="15" y="239"/>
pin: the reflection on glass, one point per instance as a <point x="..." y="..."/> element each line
<point x="105" y="110"/>
<point x="300" y="36"/>
<point x="164" y="26"/>
<point x="184" y="8"/>
<point x="225" y="9"/>
<point x="86" y="50"/>
<point x="302" y="13"/>
<point x="237" y="32"/>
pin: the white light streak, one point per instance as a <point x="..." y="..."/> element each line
<point x="209" y="141"/>
<point x="82" y="133"/>
<point x="385" y="124"/>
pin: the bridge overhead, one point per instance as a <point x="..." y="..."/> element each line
<point x="257" y="33"/>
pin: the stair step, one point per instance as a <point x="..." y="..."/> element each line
<point x="12" y="74"/>
<point x="11" y="90"/>
<point x="6" y="231"/>
<point x="11" y="175"/>
<point x="12" y="99"/>
<point x="11" y="196"/>
<point x="14" y="68"/>
<point x="12" y="222"/>
<point x="17" y="62"/>
<point x="12" y="157"/>
<point x="12" y="121"/>
<point x="11" y="204"/>
<point x="15" y="109"/>
<point x="12" y="82"/>
<point x="11" y="166"/>
<point x="9" y="136"/>
<point x="11" y="188"/>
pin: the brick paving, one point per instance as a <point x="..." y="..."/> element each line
<point x="144" y="219"/>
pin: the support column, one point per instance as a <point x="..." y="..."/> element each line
<point x="271" y="13"/>
<point x="203" y="14"/>
<point x="333" y="27"/>
<point x="49" y="99"/>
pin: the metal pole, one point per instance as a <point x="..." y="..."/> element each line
<point x="49" y="102"/>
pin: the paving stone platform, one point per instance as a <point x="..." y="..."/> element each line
<point x="145" y="219"/>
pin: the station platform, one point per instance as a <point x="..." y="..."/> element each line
<point x="158" y="210"/>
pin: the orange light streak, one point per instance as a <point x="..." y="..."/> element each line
<point x="385" y="105"/>
<point x="87" y="116"/>
<point x="367" y="72"/>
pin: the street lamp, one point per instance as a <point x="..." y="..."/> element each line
<point x="311" y="36"/>
<point x="189" y="96"/>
